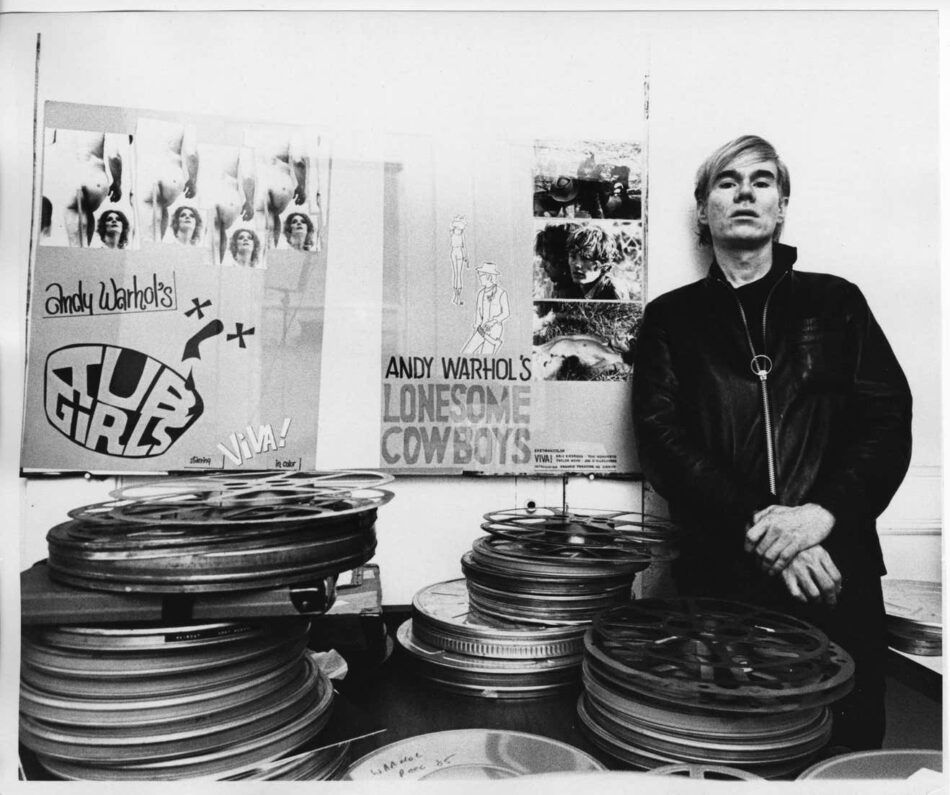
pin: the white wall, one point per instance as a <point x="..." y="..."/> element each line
<point x="848" y="99"/>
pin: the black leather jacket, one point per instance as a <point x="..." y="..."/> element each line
<point x="838" y="402"/>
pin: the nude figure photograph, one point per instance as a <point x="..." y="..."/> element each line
<point x="288" y="200"/>
<point x="227" y="184"/>
<point x="85" y="173"/>
<point x="167" y="167"/>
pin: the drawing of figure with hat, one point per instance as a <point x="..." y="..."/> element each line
<point x="491" y="312"/>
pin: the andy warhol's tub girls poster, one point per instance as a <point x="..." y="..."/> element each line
<point x="177" y="293"/>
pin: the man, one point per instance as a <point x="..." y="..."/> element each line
<point x="773" y="416"/>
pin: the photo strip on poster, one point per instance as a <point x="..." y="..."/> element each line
<point x="514" y="276"/>
<point x="177" y="293"/>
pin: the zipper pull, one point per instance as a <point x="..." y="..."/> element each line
<point x="761" y="365"/>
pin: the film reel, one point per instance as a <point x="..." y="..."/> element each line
<point x="704" y="681"/>
<point x="181" y="679"/>
<point x="512" y="557"/>
<point x="255" y="486"/>
<point x="594" y="533"/>
<point x="135" y="743"/>
<point x="543" y="609"/>
<point x="766" y="749"/>
<point x="158" y="709"/>
<point x="649" y="760"/>
<point x="75" y="671"/>
<point x="711" y="651"/>
<point x="689" y="720"/>
<point x="442" y="618"/>
<point x="220" y="532"/>
<point x="123" y="639"/>
<point x="229" y="564"/>
<point x="706" y="772"/>
<point x="914" y="616"/>
<point x="245" y="755"/>
<point x="488" y="677"/>
<point x="211" y="508"/>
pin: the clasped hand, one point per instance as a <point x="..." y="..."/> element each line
<point x="787" y="540"/>
<point x="779" y="532"/>
<point x="812" y="576"/>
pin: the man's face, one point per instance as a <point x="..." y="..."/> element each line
<point x="744" y="204"/>
<point x="583" y="270"/>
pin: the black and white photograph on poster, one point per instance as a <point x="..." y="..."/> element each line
<point x="288" y="193"/>
<point x="166" y="183"/>
<point x="86" y="200"/>
<point x="590" y="260"/>
<point x="227" y="179"/>
<point x="584" y="341"/>
<point x="588" y="179"/>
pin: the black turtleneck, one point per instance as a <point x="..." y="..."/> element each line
<point x="752" y="296"/>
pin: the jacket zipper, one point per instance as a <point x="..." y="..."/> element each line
<point x="761" y="365"/>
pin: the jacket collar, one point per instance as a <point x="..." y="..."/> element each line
<point x="783" y="257"/>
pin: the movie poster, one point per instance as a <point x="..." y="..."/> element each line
<point x="177" y="294"/>
<point x="514" y="279"/>
<point x="178" y="307"/>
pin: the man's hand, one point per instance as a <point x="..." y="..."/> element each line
<point x="115" y="191"/>
<point x="779" y="533"/>
<point x="812" y="576"/>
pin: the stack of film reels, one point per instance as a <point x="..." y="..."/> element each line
<point x="914" y="616"/>
<point x="705" y="681"/>
<point x="514" y="627"/>
<point x="214" y="701"/>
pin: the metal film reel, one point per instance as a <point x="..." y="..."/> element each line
<point x="650" y="760"/>
<point x="706" y="772"/>
<point x="691" y="720"/>
<point x="591" y="533"/>
<point x="245" y="755"/>
<point x="203" y="508"/>
<point x="138" y="638"/>
<point x="221" y="532"/>
<point x="543" y="609"/>
<point x="709" y="650"/>
<point x="443" y="618"/>
<point x="705" y="681"/>
<point x="244" y="486"/>
<point x="914" y="616"/>
<point x="159" y="708"/>
<point x="177" y="676"/>
<point x="134" y="743"/>
<point x="485" y="676"/>
<point x="514" y="557"/>
<point x="777" y="748"/>
<point x="226" y="566"/>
